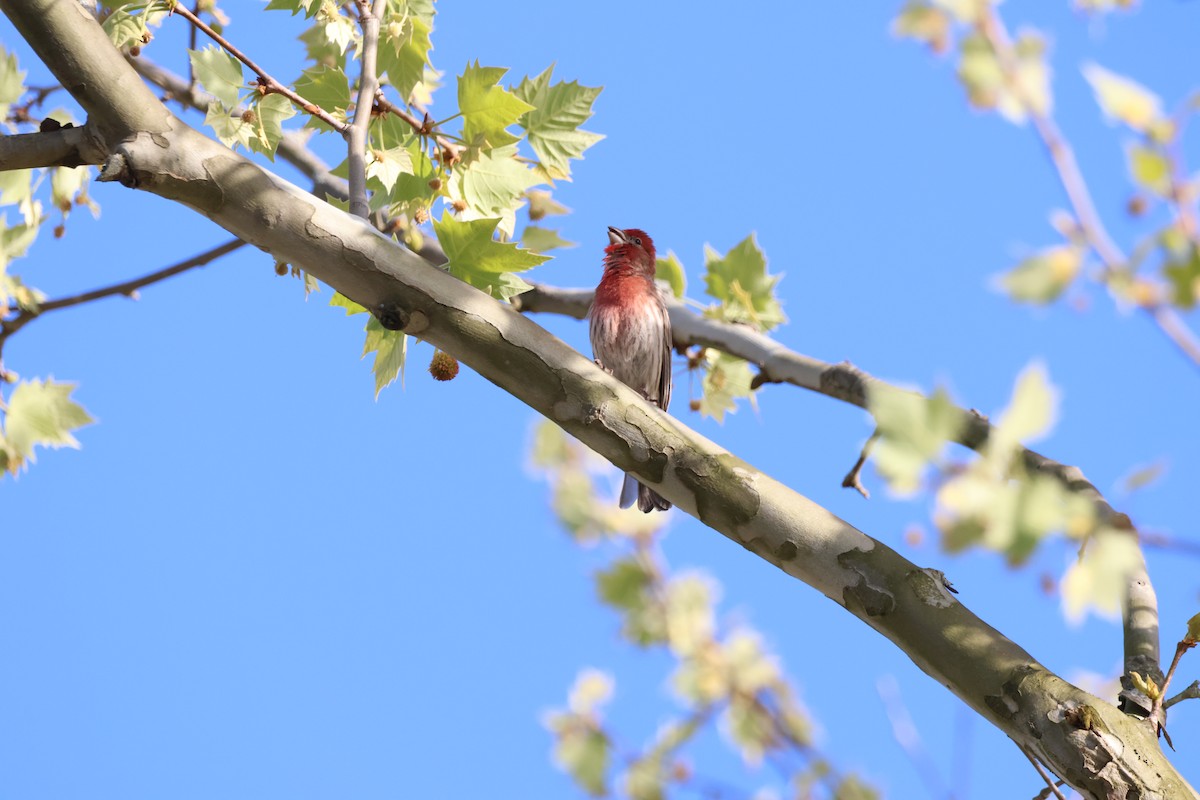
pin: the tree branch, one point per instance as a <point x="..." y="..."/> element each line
<point x="62" y="147"/>
<point x="369" y="15"/>
<point x="267" y="84"/>
<point x="128" y="288"/>
<point x="1058" y="723"/>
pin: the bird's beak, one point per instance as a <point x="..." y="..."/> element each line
<point x="615" y="235"/>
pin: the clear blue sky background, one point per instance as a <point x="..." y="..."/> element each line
<point x="257" y="581"/>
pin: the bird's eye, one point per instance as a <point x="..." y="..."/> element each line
<point x="637" y="241"/>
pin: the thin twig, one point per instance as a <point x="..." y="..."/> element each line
<point x="128" y="288"/>
<point x="1192" y="692"/>
<point x="1156" y="711"/>
<point x="853" y="479"/>
<point x="450" y="151"/>
<point x="1050" y="782"/>
<point x="266" y="84"/>
<point x="1063" y="157"/>
<point x="369" y="14"/>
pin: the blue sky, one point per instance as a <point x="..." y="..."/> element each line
<point x="255" y="580"/>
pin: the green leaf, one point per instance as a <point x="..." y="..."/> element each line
<point x="12" y="81"/>
<point x="1030" y="413"/>
<point x="852" y="787"/>
<point x="552" y="127"/>
<point x="1032" y="91"/>
<point x="320" y="51"/>
<point x="15" y="241"/>
<point x="750" y="667"/>
<point x="980" y="72"/>
<point x="1044" y="276"/>
<point x="219" y="73"/>
<point x="40" y="414"/>
<point x="494" y="186"/>
<point x="1183" y="270"/>
<point x="16" y="185"/>
<point x="266" y="123"/>
<point x="727" y="378"/>
<point x="912" y="430"/>
<point x="751" y="728"/>
<point x="670" y="269"/>
<point x="1096" y="581"/>
<point x="404" y="47"/>
<point x="690" y="620"/>
<point x="230" y="130"/>
<point x="1150" y="169"/>
<point x="388" y="165"/>
<point x="925" y="24"/>
<point x="327" y="87"/>
<point x="539" y="240"/>
<point x="340" y="300"/>
<point x="478" y="259"/>
<point x="126" y="29"/>
<point x="309" y="7"/>
<point x="1193" y="629"/>
<point x="740" y="281"/>
<point x="390" y="349"/>
<point x="488" y="109"/>
<point x="1124" y="100"/>
<point x="585" y="754"/>
<point x="623" y="585"/>
<point x="542" y="205"/>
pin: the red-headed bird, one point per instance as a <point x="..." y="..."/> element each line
<point x="631" y="335"/>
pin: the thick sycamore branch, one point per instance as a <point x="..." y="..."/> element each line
<point x="1087" y="742"/>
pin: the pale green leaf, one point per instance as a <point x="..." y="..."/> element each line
<point x="65" y="184"/>
<point x="670" y="269"/>
<point x="16" y="185"/>
<point x="40" y="414"/>
<point x="494" y="185"/>
<point x="1044" y="276"/>
<point x="690" y="619"/>
<point x="15" y="241"/>
<point x="539" y="240"/>
<point x="913" y="431"/>
<point x="1193" y="629"/>
<point x="230" y="130"/>
<point x="266" y="123"/>
<point x="1031" y="412"/>
<point x="219" y="73"/>
<point x="552" y="127"/>
<point x="726" y="379"/>
<point x="12" y="81"/>
<point x="1124" y="100"/>
<point x="309" y="7"/>
<point x="1096" y="581"/>
<point x="593" y="688"/>
<point x="404" y="51"/>
<point x="542" y="204"/>
<point x="351" y="308"/>
<point x="924" y="23"/>
<point x="751" y="728"/>
<point x="390" y="349"/>
<point x="1150" y="169"/>
<point x="387" y="165"/>
<point x="487" y="109"/>
<point x="740" y="281"/>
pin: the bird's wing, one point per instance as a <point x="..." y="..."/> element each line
<point x="664" y="376"/>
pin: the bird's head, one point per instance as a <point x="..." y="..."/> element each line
<point x="631" y="246"/>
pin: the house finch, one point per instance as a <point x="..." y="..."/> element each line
<point x="631" y="334"/>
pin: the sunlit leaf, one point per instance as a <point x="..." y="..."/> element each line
<point x="487" y="109"/>
<point x="219" y="73"/>
<point x="670" y="269"/>
<point x="1150" y="169"/>
<point x="40" y="414"/>
<point x="1096" y="581"/>
<point x="913" y="431"/>
<point x="1043" y="276"/>
<point x="740" y="281"/>
<point x="12" y="81"/>
<point x="1124" y="100"/>
<point x="726" y="379"/>
<point x="477" y="258"/>
<point x="552" y="126"/>
<point x="328" y="88"/>
<point x="540" y="240"/>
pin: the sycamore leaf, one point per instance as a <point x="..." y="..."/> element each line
<point x="1124" y="100"/>
<point x="539" y="240"/>
<point x="690" y="619"/>
<point x="15" y="241"/>
<point x="309" y="7"/>
<point x="388" y="165"/>
<point x="1150" y="169"/>
<point x="542" y="204"/>
<point x="125" y="29"/>
<point x="670" y="269"/>
<point x="351" y="308"/>
<point x="326" y="87"/>
<point x="1096" y="580"/>
<point x="390" y="349"/>
<point x="40" y="414"/>
<point x="320" y="51"/>
<point x="1183" y="271"/>
<point x="266" y="123"/>
<point x="552" y="127"/>
<point x="12" y="81"/>
<point x="404" y="51"/>
<point x="487" y="109"/>
<point x="980" y="72"/>
<point x="913" y="430"/>
<point x="925" y="24"/>
<point x="219" y="73"/>
<point x="1193" y="629"/>
<point x="16" y="185"/>
<point x="494" y="185"/>
<point x="1044" y="276"/>
<point x="740" y="281"/>
<point x="726" y="379"/>
<point x="230" y="130"/>
<point x="475" y="257"/>
<point x="1030" y="413"/>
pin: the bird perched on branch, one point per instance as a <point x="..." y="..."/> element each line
<point x="631" y="335"/>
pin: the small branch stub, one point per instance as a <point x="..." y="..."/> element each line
<point x="392" y="317"/>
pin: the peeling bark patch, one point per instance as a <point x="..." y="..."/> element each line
<point x="725" y="498"/>
<point x="787" y="551"/>
<point x="930" y="587"/>
<point x="869" y="592"/>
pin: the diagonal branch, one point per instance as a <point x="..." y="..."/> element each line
<point x="267" y="84"/>
<point x="128" y="288"/>
<point x="61" y="147"/>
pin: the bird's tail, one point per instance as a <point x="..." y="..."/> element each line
<point x="647" y="499"/>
